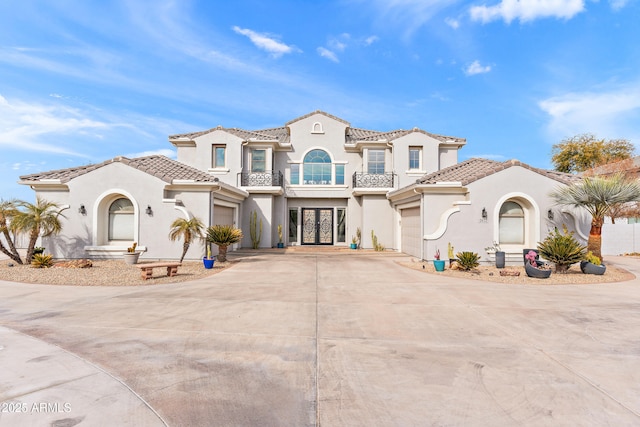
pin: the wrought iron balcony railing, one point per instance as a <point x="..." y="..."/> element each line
<point x="373" y="180"/>
<point x="261" y="179"/>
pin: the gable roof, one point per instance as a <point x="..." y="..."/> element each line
<point x="281" y="134"/>
<point x="161" y="167"/>
<point x="476" y="168"/>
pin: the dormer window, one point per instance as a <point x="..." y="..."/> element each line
<point x="317" y="128"/>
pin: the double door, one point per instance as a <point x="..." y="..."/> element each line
<point x="317" y="226"/>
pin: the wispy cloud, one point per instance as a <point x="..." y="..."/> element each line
<point x="410" y="14"/>
<point x="611" y="113"/>
<point x="160" y="152"/>
<point x="326" y="53"/>
<point x="453" y="23"/>
<point x="339" y="44"/>
<point x="618" y="4"/>
<point x="476" y="68"/>
<point x="527" y="10"/>
<point x="266" y="42"/>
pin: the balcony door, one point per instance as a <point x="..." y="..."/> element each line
<point x="317" y="226"/>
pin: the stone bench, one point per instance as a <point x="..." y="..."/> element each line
<point x="147" y="268"/>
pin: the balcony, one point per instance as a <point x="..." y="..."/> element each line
<point x="373" y="180"/>
<point x="261" y="179"/>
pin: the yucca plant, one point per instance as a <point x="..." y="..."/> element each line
<point x="562" y="249"/>
<point x="223" y="236"/>
<point x="468" y="260"/>
<point x="42" y="261"/>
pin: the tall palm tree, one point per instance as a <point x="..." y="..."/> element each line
<point x="186" y="229"/>
<point x="597" y="195"/>
<point x="41" y="218"/>
<point x="7" y="211"/>
<point x="223" y="236"/>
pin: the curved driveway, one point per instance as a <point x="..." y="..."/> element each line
<point x="331" y="339"/>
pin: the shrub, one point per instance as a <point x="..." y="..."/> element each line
<point x="590" y="257"/>
<point x="468" y="260"/>
<point x="42" y="261"/>
<point x="562" y="249"/>
<point x="223" y="236"/>
<point x="379" y="247"/>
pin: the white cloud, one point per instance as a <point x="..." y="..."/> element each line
<point x="371" y="40"/>
<point x="409" y="14"/>
<point x="476" y="68"/>
<point x="610" y="114"/>
<point x="266" y="42"/>
<point x="618" y="4"/>
<point x="326" y="53"/>
<point x="527" y="10"/>
<point x="25" y="125"/>
<point x="453" y="23"/>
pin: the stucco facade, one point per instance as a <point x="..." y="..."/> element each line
<point x="317" y="176"/>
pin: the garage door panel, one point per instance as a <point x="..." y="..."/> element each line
<point x="410" y="231"/>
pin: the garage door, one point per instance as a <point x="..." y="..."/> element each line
<point x="410" y="233"/>
<point x="222" y="215"/>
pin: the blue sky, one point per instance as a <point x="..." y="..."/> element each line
<point x="84" y="81"/>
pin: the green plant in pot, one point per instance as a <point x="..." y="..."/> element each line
<point x="131" y="256"/>
<point x="280" y="243"/>
<point x="592" y="265"/>
<point x="354" y="243"/>
<point x="208" y="261"/>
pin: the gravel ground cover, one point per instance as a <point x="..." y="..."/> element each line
<point x="105" y="273"/>
<point x="492" y="274"/>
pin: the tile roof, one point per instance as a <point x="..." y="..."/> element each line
<point x="474" y="169"/>
<point x="281" y="134"/>
<point x="159" y="166"/>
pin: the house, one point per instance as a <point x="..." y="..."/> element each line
<point x="318" y="177"/>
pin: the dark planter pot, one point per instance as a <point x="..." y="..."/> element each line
<point x="353" y="245"/>
<point x="37" y="251"/>
<point x="438" y="264"/>
<point x="208" y="263"/>
<point x="525" y="252"/>
<point x="536" y="272"/>
<point x="591" y="268"/>
<point x="500" y="259"/>
<point x="280" y="245"/>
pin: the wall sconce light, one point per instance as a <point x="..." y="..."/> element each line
<point x="148" y="211"/>
<point x="82" y="210"/>
<point x="550" y="214"/>
<point x="484" y="214"/>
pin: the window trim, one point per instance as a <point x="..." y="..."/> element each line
<point x="214" y="157"/>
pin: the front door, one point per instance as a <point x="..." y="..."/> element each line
<point x="317" y="226"/>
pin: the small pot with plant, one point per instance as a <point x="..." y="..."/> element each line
<point x="536" y="268"/>
<point x="131" y="256"/>
<point x="354" y="243"/>
<point x="208" y="261"/>
<point x="499" y="254"/>
<point x="452" y="258"/>
<point x="437" y="262"/>
<point x="280" y="243"/>
<point x="592" y="265"/>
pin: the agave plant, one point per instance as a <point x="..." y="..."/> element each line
<point x="468" y="260"/>
<point x="223" y="236"/>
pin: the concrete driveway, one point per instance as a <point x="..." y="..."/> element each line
<point x="329" y="339"/>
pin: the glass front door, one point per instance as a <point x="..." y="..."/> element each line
<point x="317" y="226"/>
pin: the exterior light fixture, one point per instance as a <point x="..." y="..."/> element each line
<point x="82" y="210"/>
<point x="484" y="214"/>
<point x="550" y="214"/>
<point x="148" y="211"/>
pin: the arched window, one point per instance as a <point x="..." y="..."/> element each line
<point x="512" y="228"/>
<point x="121" y="216"/>
<point x="317" y="168"/>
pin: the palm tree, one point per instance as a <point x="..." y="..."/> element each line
<point x="7" y="211"/>
<point x="41" y="218"/>
<point x="223" y="236"/>
<point x="597" y="195"/>
<point x="186" y="229"/>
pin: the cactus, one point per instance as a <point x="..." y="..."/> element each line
<point x="256" y="234"/>
<point x="132" y="249"/>
<point x="450" y="250"/>
<point x="376" y="246"/>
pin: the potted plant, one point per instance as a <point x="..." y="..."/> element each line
<point x="280" y="244"/>
<point x="208" y="261"/>
<point x="536" y="268"/>
<point x="131" y="256"/>
<point x="499" y="254"/>
<point x="354" y="243"/>
<point x="437" y="262"/>
<point x="358" y="237"/>
<point x="592" y="265"/>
